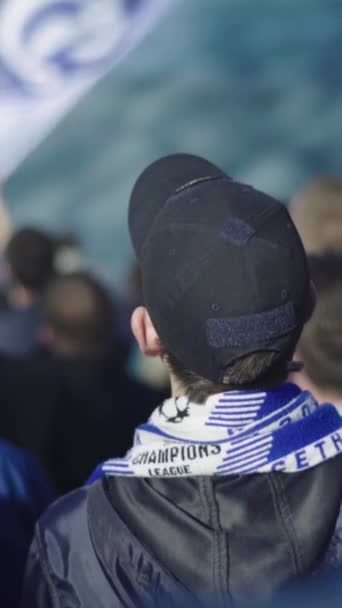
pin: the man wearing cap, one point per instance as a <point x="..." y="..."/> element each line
<point x="233" y="486"/>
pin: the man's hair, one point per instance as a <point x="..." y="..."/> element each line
<point x="80" y="312"/>
<point x="321" y="342"/>
<point x="317" y="214"/>
<point x="262" y="370"/>
<point x="30" y="255"/>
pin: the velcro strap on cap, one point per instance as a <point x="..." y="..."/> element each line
<point x="259" y="328"/>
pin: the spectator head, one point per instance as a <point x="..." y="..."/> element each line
<point x="317" y="214"/>
<point x="30" y="261"/>
<point x="225" y="279"/>
<point x="79" y="317"/>
<point x="320" y="347"/>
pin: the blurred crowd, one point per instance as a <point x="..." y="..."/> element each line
<point x="68" y="396"/>
<point x="73" y="388"/>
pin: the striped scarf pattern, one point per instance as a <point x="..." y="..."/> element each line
<point x="232" y="433"/>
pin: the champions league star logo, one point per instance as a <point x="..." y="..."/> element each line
<point x="175" y="411"/>
<point x="46" y="42"/>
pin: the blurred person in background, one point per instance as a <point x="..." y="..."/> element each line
<point x="320" y="349"/>
<point x="29" y="266"/>
<point x="25" y="492"/>
<point x="70" y="401"/>
<point x="78" y="314"/>
<point x="100" y="406"/>
<point x="320" y="346"/>
<point x="219" y="500"/>
<point x="28" y="391"/>
<point x="317" y="213"/>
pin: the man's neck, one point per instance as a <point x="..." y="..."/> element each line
<point x="177" y="388"/>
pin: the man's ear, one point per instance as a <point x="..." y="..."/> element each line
<point x="145" y="334"/>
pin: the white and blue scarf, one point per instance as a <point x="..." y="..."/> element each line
<point x="232" y="433"/>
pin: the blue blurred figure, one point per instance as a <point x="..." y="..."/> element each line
<point x="25" y="492"/>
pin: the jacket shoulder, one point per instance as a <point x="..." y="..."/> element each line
<point x="63" y="524"/>
<point x="62" y="567"/>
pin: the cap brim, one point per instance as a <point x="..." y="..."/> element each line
<point x="156" y="184"/>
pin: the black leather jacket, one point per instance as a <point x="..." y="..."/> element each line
<point x="159" y="542"/>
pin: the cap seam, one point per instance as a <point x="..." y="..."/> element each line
<point x="199" y="180"/>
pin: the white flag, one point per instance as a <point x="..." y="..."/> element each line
<point x="51" y="53"/>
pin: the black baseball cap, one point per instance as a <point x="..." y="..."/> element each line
<point x="224" y="272"/>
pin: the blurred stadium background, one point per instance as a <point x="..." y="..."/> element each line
<point x="255" y="86"/>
